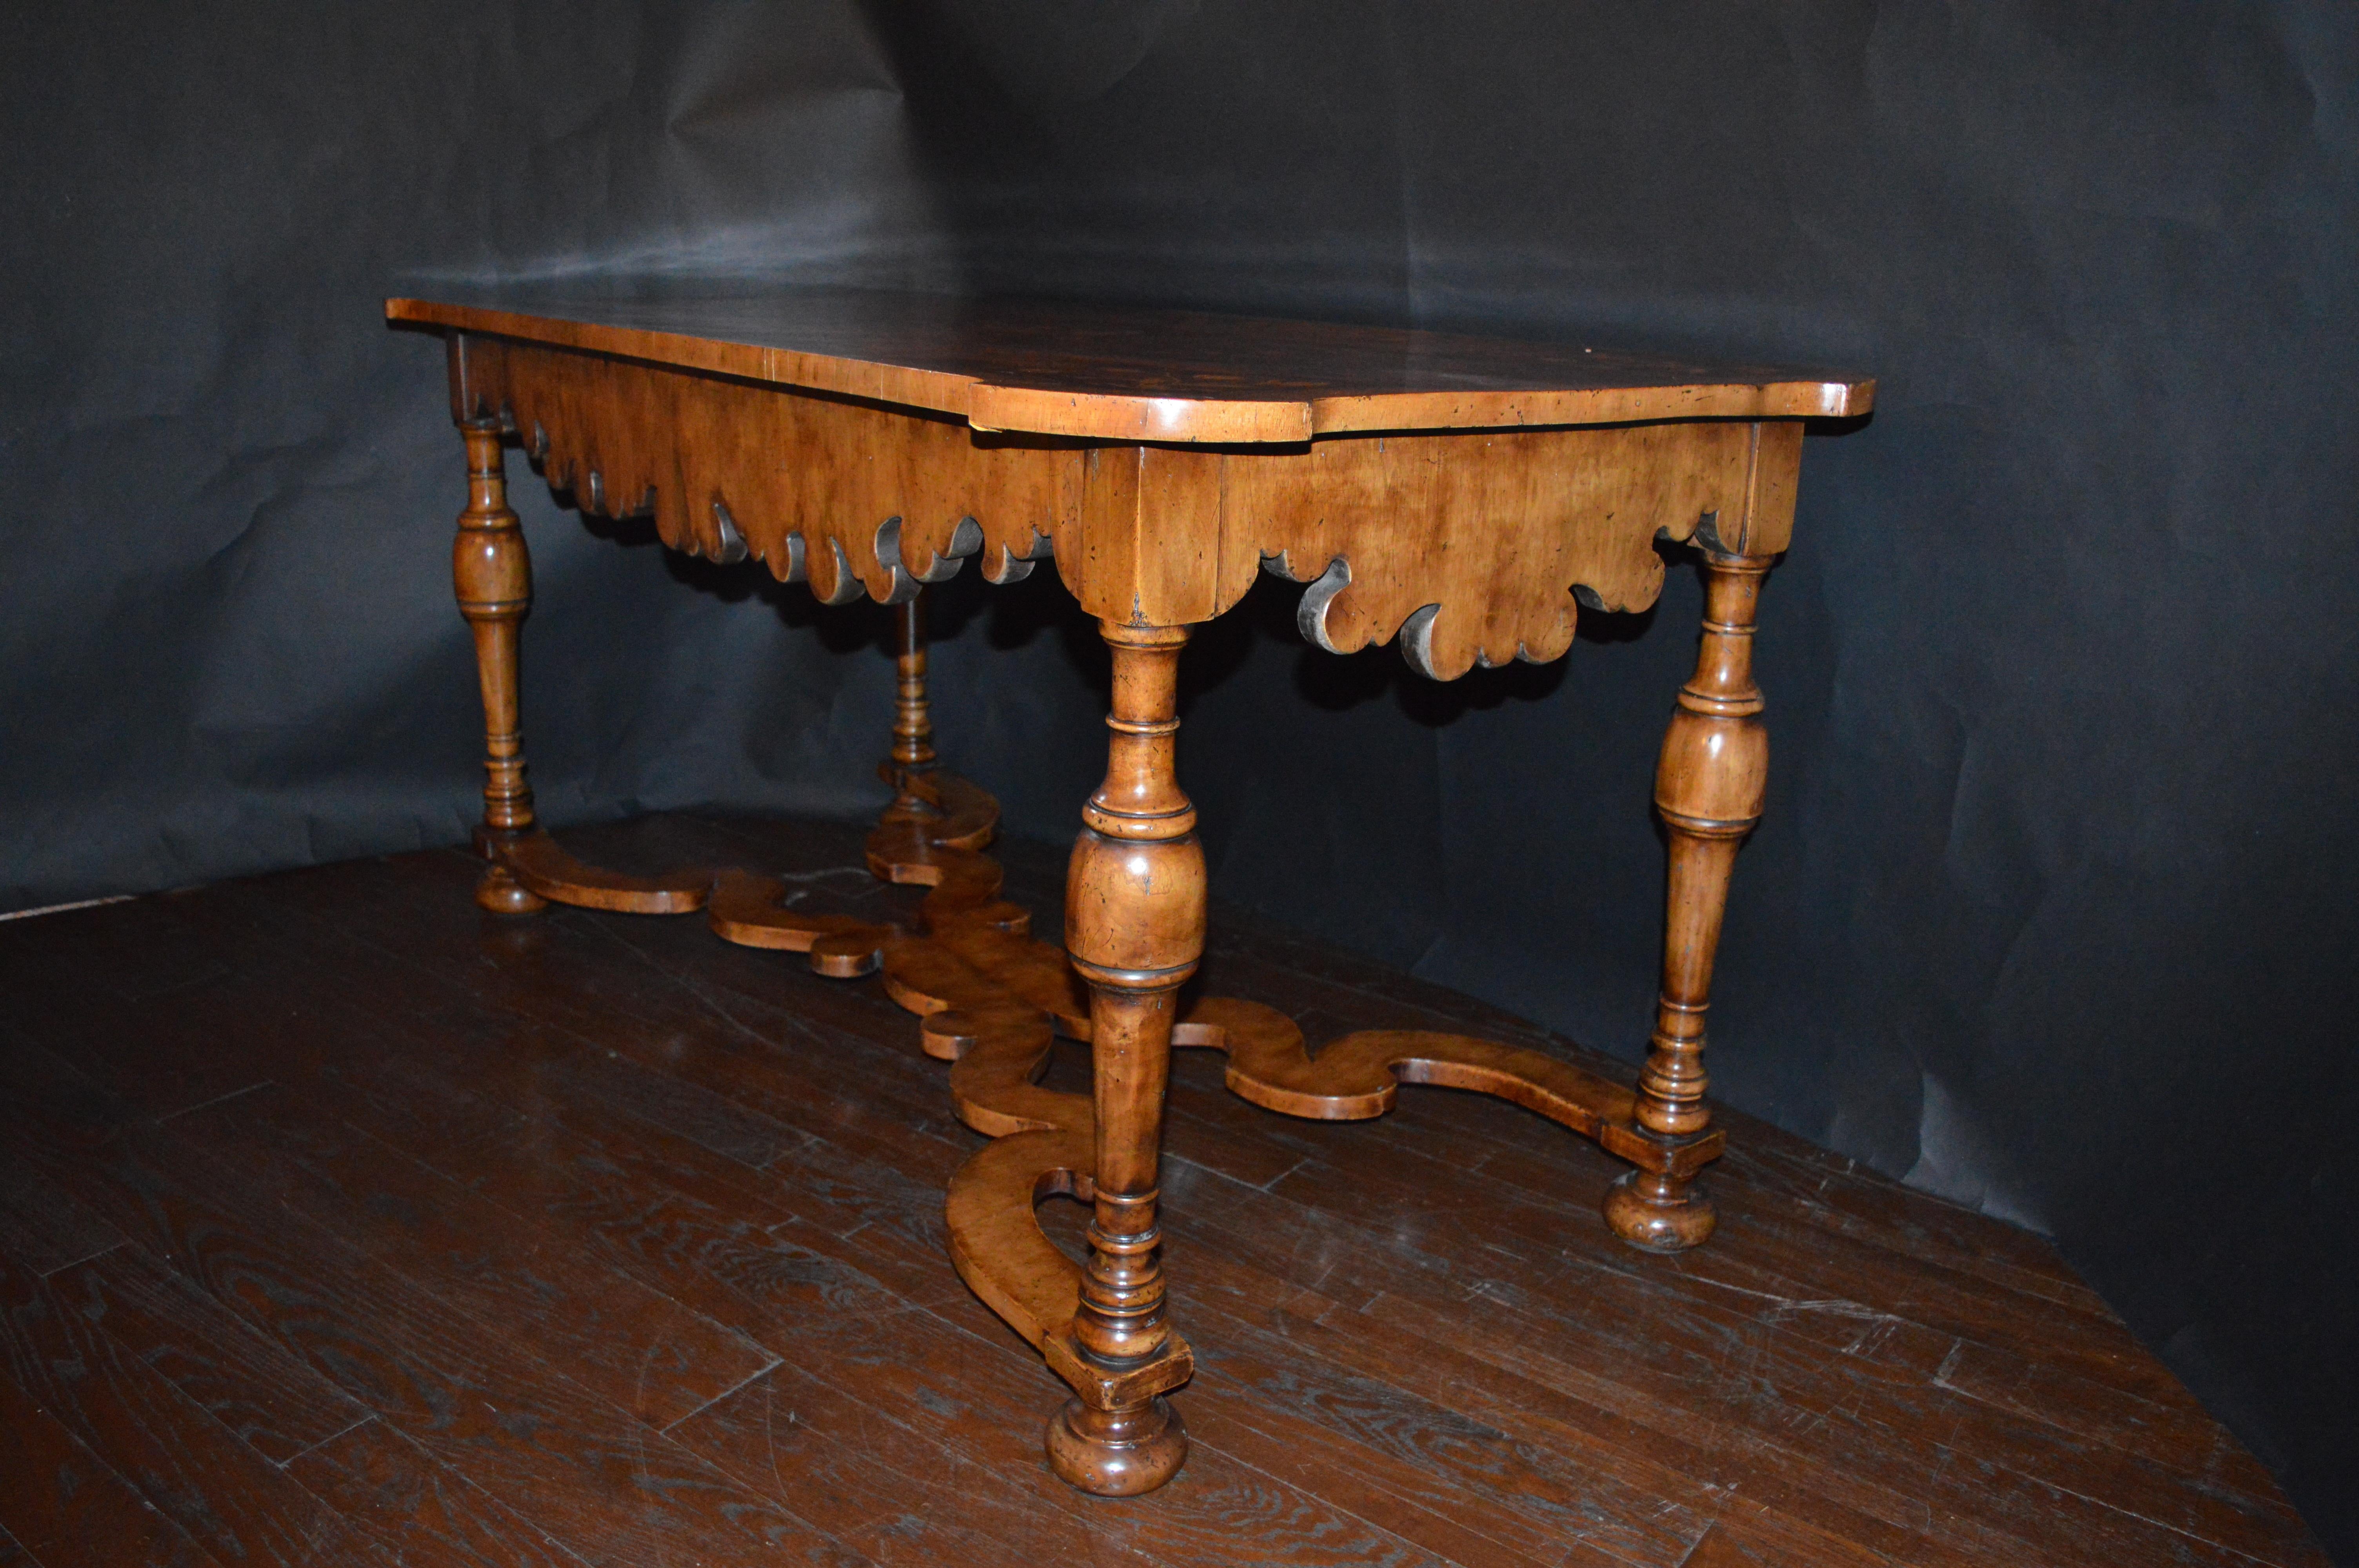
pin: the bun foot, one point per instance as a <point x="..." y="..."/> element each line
<point x="1116" y="1453"/>
<point x="500" y="892"/>
<point x="1660" y="1212"/>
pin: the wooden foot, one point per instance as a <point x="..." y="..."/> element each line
<point x="500" y="892"/>
<point x="1110" y="1454"/>
<point x="1658" y="1211"/>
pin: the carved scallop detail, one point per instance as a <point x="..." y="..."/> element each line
<point x="1478" y="547"/>
<point x="846" y="497"/>
<point x="1473" y="547"/>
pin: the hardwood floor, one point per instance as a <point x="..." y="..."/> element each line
<point x="342" y="1222"/>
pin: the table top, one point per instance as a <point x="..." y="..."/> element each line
<point x="1125" y="373"/>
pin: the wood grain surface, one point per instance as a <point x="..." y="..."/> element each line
<point x="1131" y="374"/>
<point x="341" y="1222"/>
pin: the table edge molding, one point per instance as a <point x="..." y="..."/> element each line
<point x="992" y="406"/>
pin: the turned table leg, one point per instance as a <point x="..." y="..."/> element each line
<point x="494" y="578"/>
<point x="1135" y="925"/>
<point x="1708" y="786"/>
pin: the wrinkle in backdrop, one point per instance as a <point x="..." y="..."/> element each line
<point x="2049" y="912"/>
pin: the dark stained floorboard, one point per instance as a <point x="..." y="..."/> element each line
<point x="373" y="1227"/>
<point x="480" y="1400"/>
<point x="234" y="1503"/>
<point x="618" y="1337"/>
<point x="274" y="1404"/>
<point x="42" y="1229"/>
<point x="420" y="1510"/>
<point x="71" y="1504"/>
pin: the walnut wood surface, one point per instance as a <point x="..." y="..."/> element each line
<point x="1061" y="369"/>
<point x="250" y="1129"/>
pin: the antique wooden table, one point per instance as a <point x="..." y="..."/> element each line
<point x="1465" y="494"/>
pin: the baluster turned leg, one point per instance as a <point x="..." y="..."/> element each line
<point x="913" y="729"/>
<point x="1708" y="786"/>
<point x="494" y="578"/>
<point x="1134" y="923"/>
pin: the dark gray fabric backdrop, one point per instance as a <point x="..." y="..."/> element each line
<point x="2052" y="909"/>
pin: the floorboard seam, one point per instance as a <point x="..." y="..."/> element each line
<point x="366" y="1416"/>
<point x="115" y="1245"/>
<point x="217" y="1099"/>
<point x="775" y="1360"/>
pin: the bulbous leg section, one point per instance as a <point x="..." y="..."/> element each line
<point x="1116" y="1453"/>
<point x="1659" y="1213"/>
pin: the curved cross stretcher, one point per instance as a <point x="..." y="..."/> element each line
<point x="992" y="999"/>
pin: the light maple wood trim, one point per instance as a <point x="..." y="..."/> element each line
<point x="1605" y="406"/>
<point x="1198" y="420"/>
<point x="1114" y="417"/>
